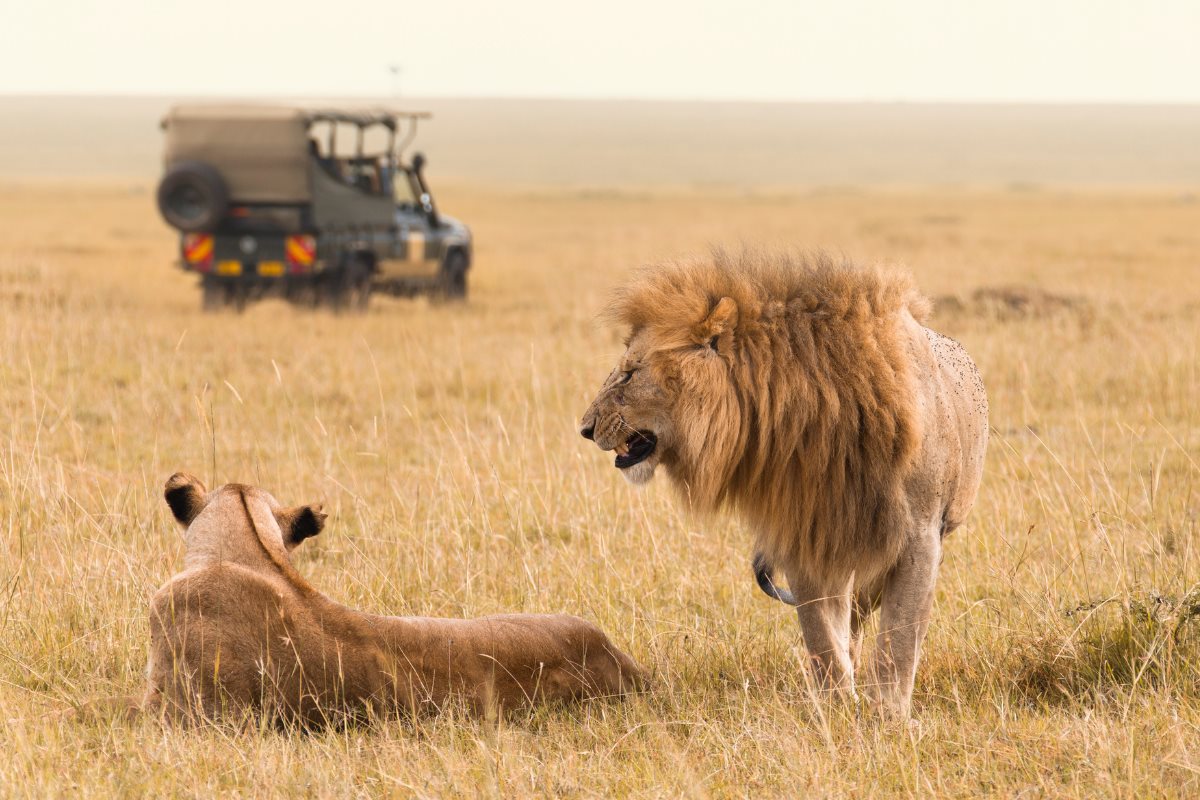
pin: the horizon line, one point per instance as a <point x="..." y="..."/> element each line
<point x="382" y="98"/>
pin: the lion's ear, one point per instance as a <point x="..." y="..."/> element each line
<point x="185" y="495"/>
<point x="300" y="523"/>
<point x="720" y="321"/>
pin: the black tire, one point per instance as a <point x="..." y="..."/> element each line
<point x="218" y="295"/>
<point x="239" y="298"/>
<point x="192" y="196"/>
<point x="214" y="295"/>
<point x="349" y="288"/>
<point x="454" y="276"/>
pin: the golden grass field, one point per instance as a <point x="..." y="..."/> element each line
<point x="1064" y="655"/>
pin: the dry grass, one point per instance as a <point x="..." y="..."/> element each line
<point x="1063" y="658"/>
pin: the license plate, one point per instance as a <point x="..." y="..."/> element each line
<point x="229" y="268"/>
<point x="271" y="269"/>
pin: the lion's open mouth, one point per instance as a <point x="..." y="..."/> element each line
<point x="636" y="449"/>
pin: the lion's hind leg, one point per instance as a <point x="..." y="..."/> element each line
<point x="907" y="601"/>
<point x="866" y="601"/>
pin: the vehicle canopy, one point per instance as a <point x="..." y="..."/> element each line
<point x="264" y="152"/>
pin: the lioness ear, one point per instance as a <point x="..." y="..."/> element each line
<point x="185" y="495"/>
<point x="301" y="523"/>
<point x="721" y="320"/>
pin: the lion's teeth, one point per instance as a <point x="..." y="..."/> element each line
<point x="622" y="449"/>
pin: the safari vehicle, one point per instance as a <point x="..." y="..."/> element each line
<point x="266" y="203"/>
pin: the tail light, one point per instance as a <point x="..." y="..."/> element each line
<point x="301" y="252"/>
<point x="198" y="250"/>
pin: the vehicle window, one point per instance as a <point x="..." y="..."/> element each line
<point x="404" y="189"/>
<point x="386" y="177"/>
<point x="358" y="161"/>
<point x="363" y="174"/>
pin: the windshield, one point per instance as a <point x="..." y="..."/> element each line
<point x="405" y="192"/>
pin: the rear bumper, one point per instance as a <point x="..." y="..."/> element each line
<point x="248" y="257"/>
<point x="235" y="270"/>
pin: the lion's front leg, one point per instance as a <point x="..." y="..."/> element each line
<point x="904" y="619"/>
<point x="825" y="622"/>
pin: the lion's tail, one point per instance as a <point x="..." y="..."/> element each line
<point x="762" y="573"/>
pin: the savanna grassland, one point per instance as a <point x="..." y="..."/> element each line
<point x="1064" y="656"/>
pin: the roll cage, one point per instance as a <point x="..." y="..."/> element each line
<point x="373" y="172"/>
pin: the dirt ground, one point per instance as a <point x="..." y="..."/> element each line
<point x="1063" y="659"/>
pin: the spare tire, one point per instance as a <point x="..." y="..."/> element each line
<point x="192" y="196"/>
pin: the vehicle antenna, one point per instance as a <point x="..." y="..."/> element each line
<point x="395" y="70"/>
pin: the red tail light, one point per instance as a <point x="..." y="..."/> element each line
<point x="301" y="252"/>
<point x="198" y="250"/>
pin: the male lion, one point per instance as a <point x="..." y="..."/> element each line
<point x="806" y="395"/>
<point x="239" y="630"/>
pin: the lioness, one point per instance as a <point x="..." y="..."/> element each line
<point x="239" y="630"/>
<point x="806" y="395"/>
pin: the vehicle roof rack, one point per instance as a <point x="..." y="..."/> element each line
<point x="253" y="112"/>
<point x="385" y="117"/>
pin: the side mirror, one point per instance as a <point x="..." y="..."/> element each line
<point x="426" y="197"/>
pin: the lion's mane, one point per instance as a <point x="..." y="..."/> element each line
<point x="815" y="428"/>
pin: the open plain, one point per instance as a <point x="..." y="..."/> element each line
<point x="1064" y="654"/>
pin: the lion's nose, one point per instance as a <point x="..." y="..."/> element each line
<point x="588" y="432"/>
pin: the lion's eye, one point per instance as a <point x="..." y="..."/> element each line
<point x="626" y="376"/>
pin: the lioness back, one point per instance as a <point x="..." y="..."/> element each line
<point x="224" y="638"/>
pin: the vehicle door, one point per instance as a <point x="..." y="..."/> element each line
<point x="417" y="245"/>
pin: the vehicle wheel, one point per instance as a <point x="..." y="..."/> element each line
<point x="304" y="295"/>
<point x="192" y="196"/>
<point x="349" y="289"/>
<point x="239" y="298"/>
<point x="454" y="276"/>
<point x="214" y="295"/>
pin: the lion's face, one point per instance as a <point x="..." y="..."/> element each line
<point x="633" y="413"/>
<point x="653" y="405"/>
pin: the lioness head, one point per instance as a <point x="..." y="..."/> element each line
<point x="237" y="523"/>
<point x="669" y="388"/>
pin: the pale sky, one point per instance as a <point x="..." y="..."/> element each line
<point x="844" y="50"/>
